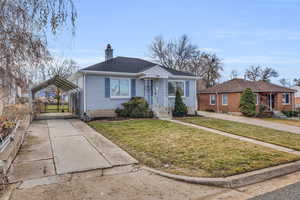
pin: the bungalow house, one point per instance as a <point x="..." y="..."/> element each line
<point x="103" y="87"/>
<point x="225" y="97"/>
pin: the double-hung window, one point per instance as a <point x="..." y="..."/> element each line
<point x="120" y="88"/>
<point x="286" y="98"/>
<point x="173" y="86"/>
<point x="224" y="99"/>
<point x="212" y="99"/>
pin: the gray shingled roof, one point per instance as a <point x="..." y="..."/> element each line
<point x="130" y="65"/>
<point x="240" y="85"/>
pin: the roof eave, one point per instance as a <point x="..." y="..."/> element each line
<point x="132" y="74"/>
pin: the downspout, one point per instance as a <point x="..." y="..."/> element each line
<point x="196" y="98"/>
<point x="84" y="92"/>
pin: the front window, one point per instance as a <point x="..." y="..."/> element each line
<point x="173" y="86"/>
<point x="224" y="99"/>
<point x="212" y="99"/>
<point x="120" y="88"/>
<point x="286" y="98"/>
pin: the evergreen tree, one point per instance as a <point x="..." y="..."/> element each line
<point x="247" y="103"/>
<point x="180" y="108"/>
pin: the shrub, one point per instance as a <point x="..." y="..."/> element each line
<point x="136" y="107"/>
<point x="290" y="113"/>
<point x="180" y="108"/>
<point x="247" y="103"/>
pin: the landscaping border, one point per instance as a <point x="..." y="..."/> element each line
<point x="235" y="181"/>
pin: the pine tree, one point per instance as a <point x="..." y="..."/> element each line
<point x="247" y="103"/>
<point x="180" y="108"/>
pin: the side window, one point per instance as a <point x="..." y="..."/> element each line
<point x="286" y="98"/>
<point x="225" y="99"/>
<point x="212" y="99"/>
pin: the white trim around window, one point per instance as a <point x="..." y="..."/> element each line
<point x="212" y="99"/>
<point x="175" y="91"/>
<point x="286" y="99"/>
<point x="224" y="103"/>
<point x="120" y="96"/>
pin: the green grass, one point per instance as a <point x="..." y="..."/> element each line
<point x="282" y="138"/>
<point x="53" y="108"/>
<point x="184" y="150"/>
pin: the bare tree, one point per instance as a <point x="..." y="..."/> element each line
<point x="253" y="73"/>
<point x="268" y="73"/>
<point x="62" y="68"/>
<point x="173" y="54"/>
<point x="285" y="82"/>
<point x="233" y="74"/>
<point x="24" y="26"/>
<point x="210" y="68"/>
<point x="182" y="55"/>
<point x="296" y="81"/>
<point x="258" y="73"/>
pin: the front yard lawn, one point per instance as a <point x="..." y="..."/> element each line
<point x="284" y="121"/>
<point x="282" y="138"/>
<point x="186" y="150"/>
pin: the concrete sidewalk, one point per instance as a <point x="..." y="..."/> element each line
<point x="252" y="121"/>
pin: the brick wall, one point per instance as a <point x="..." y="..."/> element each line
<point x="233" y="102"/>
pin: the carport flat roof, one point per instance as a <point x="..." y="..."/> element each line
<point x="59" y="82"/>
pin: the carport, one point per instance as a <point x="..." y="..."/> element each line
<point x="42" y="108"/>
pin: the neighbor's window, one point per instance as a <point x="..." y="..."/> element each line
<point x="212" y="99"/>
<point x="120" y="88"/>
<point x="173" y="86"/>
<point x="225" y="99"/>
<point x="286" y="98"/>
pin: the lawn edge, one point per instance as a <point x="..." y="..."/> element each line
<point x="235" y="181"/>
<point x="254" y="138"/>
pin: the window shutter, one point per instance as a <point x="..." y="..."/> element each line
<point x="133" y="88"/>
<point x="107" y="87"/>
<point x="187" y="88"/>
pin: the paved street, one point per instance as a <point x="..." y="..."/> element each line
<point x="291" y="192"/>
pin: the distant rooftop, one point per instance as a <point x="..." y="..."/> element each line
<point x="240" y="85"/>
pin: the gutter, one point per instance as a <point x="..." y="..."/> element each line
<point x="134" y="74"/>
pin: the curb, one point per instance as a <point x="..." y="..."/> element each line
<point x="236" y="180"/>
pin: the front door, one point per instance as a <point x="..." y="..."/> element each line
<point x="151" y="93"/>
<point x="271" y="101"/>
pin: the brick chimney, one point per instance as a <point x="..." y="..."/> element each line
<point x="108" y="52"/>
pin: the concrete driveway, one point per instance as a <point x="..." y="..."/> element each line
<point x="252" y="121"/>
<point x="57" y="147"/>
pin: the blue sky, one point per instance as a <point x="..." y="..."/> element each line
<point x="240" y="32"/>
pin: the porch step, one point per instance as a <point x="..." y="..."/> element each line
<point x="164" y="115"/>
<point x="279" y="114"/>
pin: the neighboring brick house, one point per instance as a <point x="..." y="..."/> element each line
<point x="297" y="96"/>
<point x="225" y="97"/>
